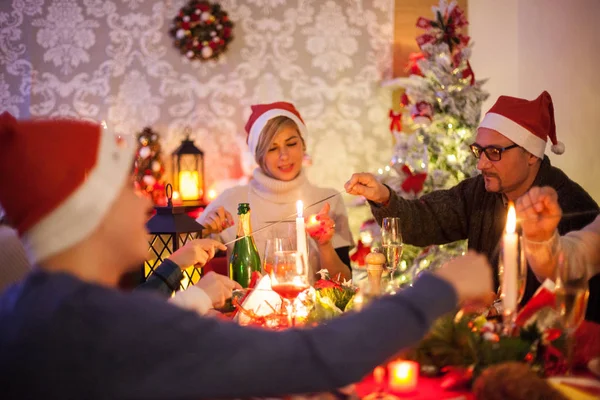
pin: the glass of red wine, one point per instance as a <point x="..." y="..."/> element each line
<point x="289" y="278"/>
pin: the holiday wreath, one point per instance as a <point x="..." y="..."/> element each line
<point x="202" y="30"/>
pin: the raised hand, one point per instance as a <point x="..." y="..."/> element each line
<point x="218" y="287"/>
<point x="216" y="221"/>
<point x="539" y="213"/>
<point x="197" y="253"/>
<point x="322" y="228"/>
<point x="471" y="276"/>
<point x="364" y="184"/>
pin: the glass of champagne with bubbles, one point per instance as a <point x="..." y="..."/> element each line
<point x="391" y="241"/>
<point x="571" y="296"/>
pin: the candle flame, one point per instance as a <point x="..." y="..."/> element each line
<point x="312" y="221"/>
<point x="103" y="123"/>
<point x="511" y="219"/>
<point x="299" y="208"/>
<point x="403" y="370"/>
<point x="212" y="194"/>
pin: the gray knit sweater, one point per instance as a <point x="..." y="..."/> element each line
<point x="468" y="211"/>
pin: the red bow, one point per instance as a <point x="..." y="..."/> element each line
<point x="412" y="67"/>
<point x="444" y="29"/>
<point x="413" y="182"/>
<point x="360" y="253"/>
<point x="542" y="298"/>
<point x="396" y="123"/>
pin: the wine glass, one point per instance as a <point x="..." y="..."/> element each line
<point x="289" y="278"/>
<point x="391" y="241"/>
<point x="571" y="296"/>
<point x="273" y="245"/>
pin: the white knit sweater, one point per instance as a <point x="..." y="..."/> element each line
<point x="270" y="200"/>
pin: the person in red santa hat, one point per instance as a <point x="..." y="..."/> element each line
<point x="66" y="331"/>
<point x="510" y="145"/>
<point x="43" y="240"/>
<point x="277" y="141"/>
<point x="540" y="214"/>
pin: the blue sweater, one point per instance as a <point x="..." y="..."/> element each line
<point x="61" y="338"/>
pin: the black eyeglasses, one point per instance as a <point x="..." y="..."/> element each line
<point x="493" y="153"/>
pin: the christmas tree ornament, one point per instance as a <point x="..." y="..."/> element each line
<point x="148" y="166"/>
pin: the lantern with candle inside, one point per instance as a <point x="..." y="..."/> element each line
<point x="512" y="270"/>
<point x="403" y="375"/>
<point x="171" y="228"/>
<point x="188" y="171"/>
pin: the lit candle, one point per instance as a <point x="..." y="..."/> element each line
<point x="301" y="232"/>
<point x="403" y="375"/>
<point x="313" y="225"/>
<point x="188" y="185"/>
<point x="510" y="245"/>
<point x="176" y="198"/>
<point x="212" y="194"/>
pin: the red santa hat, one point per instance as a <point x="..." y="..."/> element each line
<point x="58" y="179"/>
<point x="527" y="123"/>
<point x="262" y="113"/>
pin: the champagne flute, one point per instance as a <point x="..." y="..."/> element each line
<point x="289" y="278"/>
<point x="391" y="241"/>
<point x="571" y="297"/>
<point x="272" y="246"/>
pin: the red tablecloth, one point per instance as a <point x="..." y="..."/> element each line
<point x="427" y="388"/>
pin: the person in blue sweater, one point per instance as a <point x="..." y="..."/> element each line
<point x="67" y="332"/>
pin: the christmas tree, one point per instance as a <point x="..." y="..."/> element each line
<point x="440" y="112"/>
<point x="148" y="166"/>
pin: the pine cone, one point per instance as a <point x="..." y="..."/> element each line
<point x="515" y="381"/>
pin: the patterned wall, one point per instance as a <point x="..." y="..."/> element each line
<point x="114" y="61"/>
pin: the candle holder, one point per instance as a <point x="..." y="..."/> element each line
<point x="403" y="376"/>
<point x="379" y="393"/>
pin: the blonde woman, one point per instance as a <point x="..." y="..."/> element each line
<point x="276" y="139"/>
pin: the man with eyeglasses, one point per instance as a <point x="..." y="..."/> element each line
<point x="509" y="145"/>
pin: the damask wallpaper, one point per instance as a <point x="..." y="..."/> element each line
<point x="114" y="61"/>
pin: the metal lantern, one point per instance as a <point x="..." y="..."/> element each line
<point x="188" y="171"/>
<point x="171" y="228"/>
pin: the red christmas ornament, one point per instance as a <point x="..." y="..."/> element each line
<point x="404" y="101"/>
<point x="413" y="182"/>
<point x="412" y="67"/>
<point x="422" y="112"/>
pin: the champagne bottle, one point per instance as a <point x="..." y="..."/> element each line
<point x="244" y="259"/>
